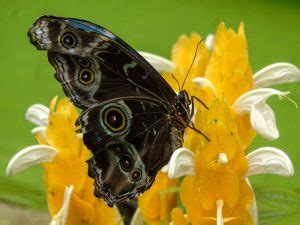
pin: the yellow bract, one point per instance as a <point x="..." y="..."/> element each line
<point x="228" y="67"/>
<point x="230" y="72"/>
<point x="155" y="205"/>
<point x="178" y="217"/>
<point x="69" y="168"/>
<point x="216" y="179"/>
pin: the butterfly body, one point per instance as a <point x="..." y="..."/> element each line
<point x="132" y="120"/>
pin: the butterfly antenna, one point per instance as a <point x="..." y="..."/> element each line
<point x="191" y="64"/>
<point x="176" y="81"/>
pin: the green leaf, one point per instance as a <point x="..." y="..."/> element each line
<point x="21" y="194"/>
<point x="276" y="204"/>
<point x="169" y="190"/>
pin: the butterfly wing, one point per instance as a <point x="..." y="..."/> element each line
<point x="90" y="84"/>
<point x="130" y="141"/>
<point x="88" y="57"/>
<point x="126" y="121"/>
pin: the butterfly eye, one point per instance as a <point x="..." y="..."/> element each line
<point x="114" y="119"/>
<point x="86" y="77"/>
<point x="126" y="163"/>
<point x="82" y="62"/>
<point x="136" y="175"/>
<point x="68" y="40"/>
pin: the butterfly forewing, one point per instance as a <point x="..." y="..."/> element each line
<point x="114" y="56"/>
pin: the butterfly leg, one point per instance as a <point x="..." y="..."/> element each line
<point x="193" y="98"/>
<point x="191" y="125"/>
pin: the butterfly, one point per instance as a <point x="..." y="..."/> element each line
<point x="131" y="120"/>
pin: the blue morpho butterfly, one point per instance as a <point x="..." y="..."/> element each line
<point x="132" y="120"/>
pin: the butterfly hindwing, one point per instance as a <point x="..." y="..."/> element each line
<point x="130" y="141"/>
<point x="79" y="77"/>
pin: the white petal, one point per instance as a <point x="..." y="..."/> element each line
<point x="209" y="41"/>
<point x="220" y="220"/>
<point x="262" y="116"/>
<point x="40" y="131"/>
<point x="263" y="121"/>
<point x="30" y="156"/>
<point x="159" y="63"/>
<point x="269" y="160"/>
<point x="61" y="217"/>
<point x="37" y="114"/>
<point x="222" y="158"/>
<point x="165" y="168"/>
<point x="276" y="73"/>
<point x="137" y="218"/>
<point x="245" y="102"/>
<point x="202" y="82"/>
<point x="181" y="163"/>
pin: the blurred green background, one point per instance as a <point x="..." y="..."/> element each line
<point x="273" y="33"/>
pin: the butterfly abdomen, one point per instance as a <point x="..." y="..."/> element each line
<point x="176" y="136"/>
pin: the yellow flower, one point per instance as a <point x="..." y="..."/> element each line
<point x="214" y="189"/>
<point x="69" y="189"/>
<point x="226" y="68"/>
<point x="220" y="163"/>
<point x="229" y="66"/>
<point x="155" y="205"/>
<point x="231" y="74"/>
<point x="220" y="167"/>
